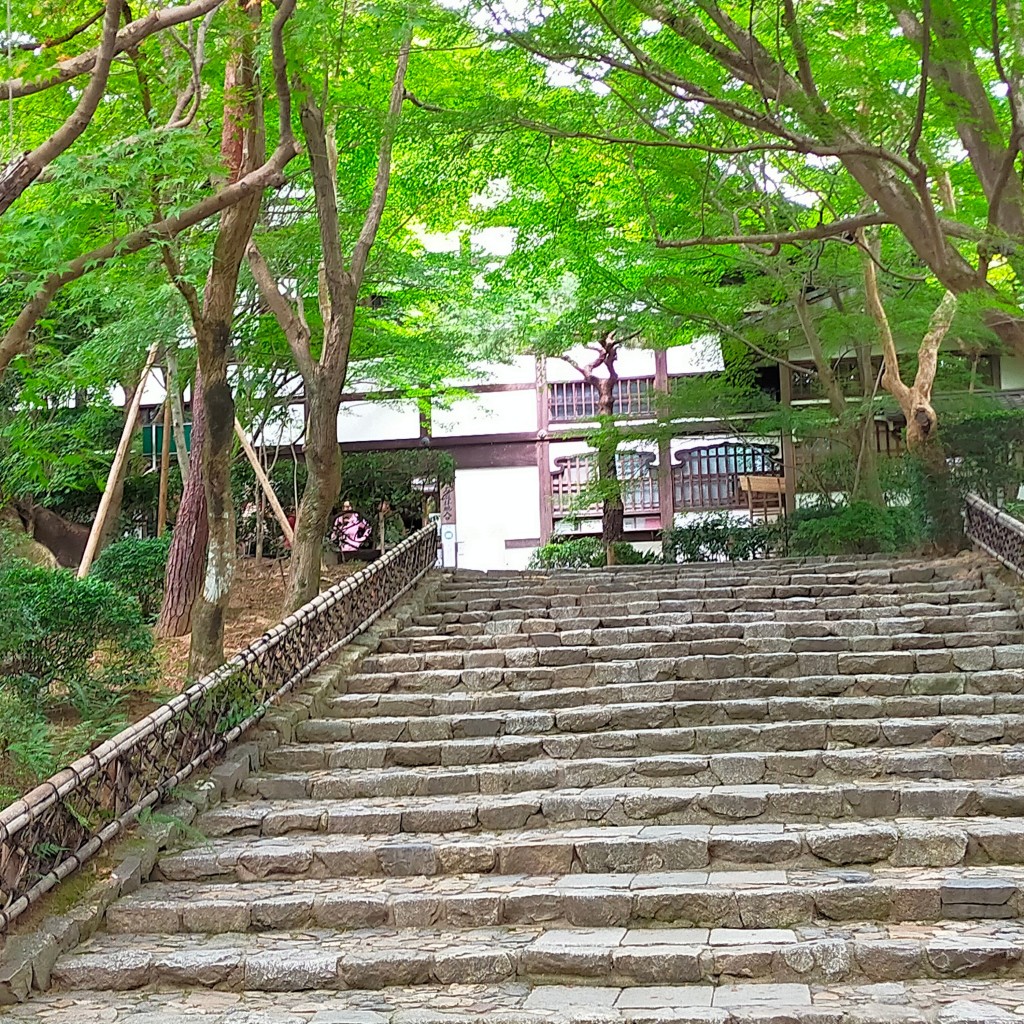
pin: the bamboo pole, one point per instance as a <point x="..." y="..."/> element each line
<point x="165" y="468"/>
<point x="286" y="527"/>
<point x="116" y="468"/>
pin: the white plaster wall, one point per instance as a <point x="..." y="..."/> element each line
<point x="378" y="421"/>
<point x="520" y="370"/>
<point x="1011" y="369"/>
<point x="492" y="506"/>
<point x="702" y="355"/>
<point x="499" y="412"/>
<point x="284" y="431"/>
<point x="630" y="362"/>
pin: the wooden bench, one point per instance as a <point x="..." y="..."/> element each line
<point x="765" y="494"/>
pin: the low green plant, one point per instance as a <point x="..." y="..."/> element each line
<point x="858" y="528"/>
<point x="718" y="537"/>
<point x="136" y="566"/>
<point x="70" y="639"/>
<point x="586" y="553"/>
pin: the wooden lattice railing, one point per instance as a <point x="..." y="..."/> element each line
<point x="59" y="825"/>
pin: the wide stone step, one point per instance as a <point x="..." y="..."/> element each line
<point x="992" y="684"/>
<point x="767" y="898"/>
<point x="556" y="673"/>
<point x="908" y="569"/>
<point x="909" y="581"/>
<point x="380" y="958"/>
<point x="545" y="848"/>
<point x="840" y="635"/>
<point x="689" y="598"/>
<point x="319" y="736"/>
<point x="969" y="765"/>
<point x="906" y="652"/>
<point x="906" y="1001"/>
<point x="510" y="628"/>
<point x="818" y="734"/>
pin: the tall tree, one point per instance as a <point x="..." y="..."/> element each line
<point x="340" y="282"/>
<point x="805" y="88"/>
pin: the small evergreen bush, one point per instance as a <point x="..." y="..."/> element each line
<point x="718" y="537"/>
<point x="586" y="553"/>
<point x="137" y="567"/>
<point x="72" y="653"/>
<point x="860" y="528"/>
<point x="70" y="639"/>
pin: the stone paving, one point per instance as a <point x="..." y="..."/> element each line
<point x="781" y="794"/>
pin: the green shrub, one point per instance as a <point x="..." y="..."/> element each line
<point x="718" y="537"/>
<point x="69" y="639"/>
<point x="859" y="528"/>
<point x="586" y="553"/>
<point x="72" y="653"/>
<point x="136" y="567"/>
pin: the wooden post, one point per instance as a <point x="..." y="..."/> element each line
<point x="286" y="528"/>
<point x="165" y="467"/>
<point x="117" y="467"/>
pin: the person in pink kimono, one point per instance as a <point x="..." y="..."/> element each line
<point x="350" y="529"/>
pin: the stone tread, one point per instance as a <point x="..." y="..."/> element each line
<point x="516" y="624"/>
<point x="808" y="734"/>
<point x="786" y="665"/>
<point x="766" y="898"/>
<point x="637" y="846"/>
<point x="907" y="652"/>
<point x="659" y="714"/>
<point x="623" y="805"/>
<point x="961" y="1001"/>
<point x="373" y="958"/>
<point x="656" y="771"/>
<point x="996" y="683"/>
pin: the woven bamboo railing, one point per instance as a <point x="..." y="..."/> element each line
<point x="996" y="532"/>
<point x="54" y="829"/>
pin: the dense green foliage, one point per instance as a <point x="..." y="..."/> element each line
<point x="718" y="537"/>
<point x="859" y="528"/>
<point x="586" y="553"/>
<point x="72" y="655"/>
<point x="136" y="566"/>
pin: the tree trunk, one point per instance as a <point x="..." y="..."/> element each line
<point x="186" y="560"/>
<point x="866" y="483"/>
<point x="207" y="649"/>
<point x="612" y="509"/>
<point x="323" y="482"/>
<point x="242" y="147"/>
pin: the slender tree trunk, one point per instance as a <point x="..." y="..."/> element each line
<point x="323" y="482"/>
<point x="867" y="486"/>
<point x="207" y="648"/>
<point x="186" y="560"/>
<point x="612" y="509"/>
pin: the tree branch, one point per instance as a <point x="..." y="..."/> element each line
<point x="891" y="379"/>
<point x="49" y="44"/>
<point x="129" y="37"/>
<point x="375" y="211"/>
<point x="928" y="352"/>
<point x="18" y="176"/>
<point x="17" y="339"/>
<point x="845" y="226"/>
<point x="295" y="331"/>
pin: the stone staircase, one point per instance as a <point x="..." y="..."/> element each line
<point x="771" y="793"/>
